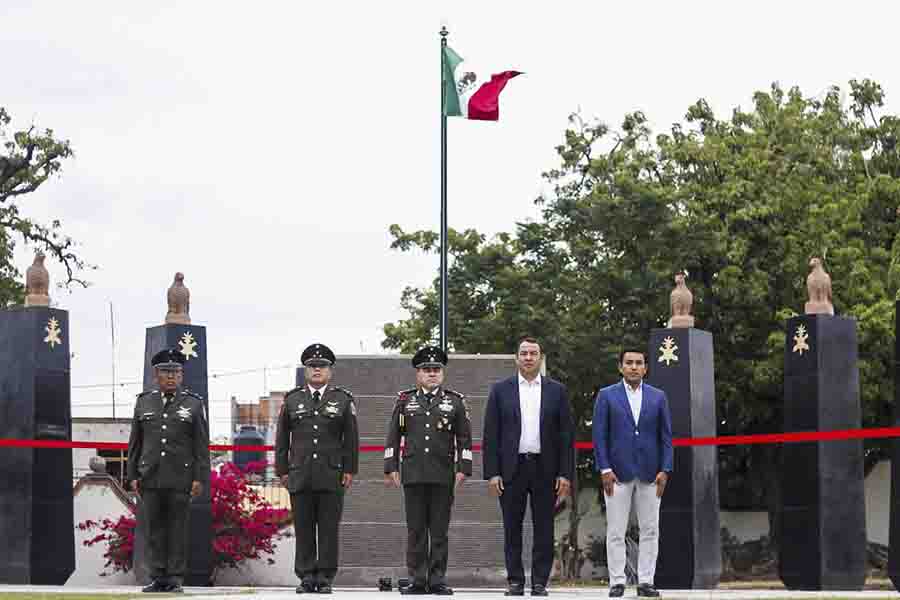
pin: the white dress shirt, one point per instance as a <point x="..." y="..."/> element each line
<point x="635" y="400"/>
<point x="530" y="407"/>
<point x="313" y="390"/>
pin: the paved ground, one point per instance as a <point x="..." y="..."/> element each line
<point x="581" y="593"/>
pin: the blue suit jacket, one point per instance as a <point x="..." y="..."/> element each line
<point x="631" y="449"/>
<point x="503" y="428"/>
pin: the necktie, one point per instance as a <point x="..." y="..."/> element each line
<point x="316" y="396"/>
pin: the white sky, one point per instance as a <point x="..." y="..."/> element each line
<point x="264" y="149"/>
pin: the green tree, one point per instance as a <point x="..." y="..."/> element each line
<point x="29" y="158"/>
<point x="740" y="204"/>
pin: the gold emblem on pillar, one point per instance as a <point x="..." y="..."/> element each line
<point x="800" y="337"/>
<point x="667" y="351"/>
<point x="53" y="333"/>
<point x="188" y="344"/>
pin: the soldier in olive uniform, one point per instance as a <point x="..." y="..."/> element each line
<point x="168" y="458"/>
<point x="437" y="457"/>
<point x="316" y="457"/>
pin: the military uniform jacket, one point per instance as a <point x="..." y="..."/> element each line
<point x="438" y="437"/>
<point x="315" y="444"/>
<point x="169" y="443"/>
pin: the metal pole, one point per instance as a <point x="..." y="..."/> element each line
<point x="112" y="331"/>
<point x="444" y="84"/>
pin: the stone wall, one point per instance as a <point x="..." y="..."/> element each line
<point x="373" y="533"/>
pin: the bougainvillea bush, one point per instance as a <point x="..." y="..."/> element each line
<point x="245" y="525"/>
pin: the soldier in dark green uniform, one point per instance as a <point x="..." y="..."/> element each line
<point x="316" y="457"/>
<point x="168" y="457"/>
<point x="437" y="457"/>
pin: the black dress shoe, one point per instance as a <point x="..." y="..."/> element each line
<point x="175" y="588"/>
<point x="617" y="591"/>
<point x="307" y="587"/>
<point x="515" y="589"/>
<point x="645" y="590"/>
<point x="324" y="588"/>
<point x="416" y="589"/>
<point x="441" y="589"/>
<point x="539" y="590"/>
<point x="156" y="586"/>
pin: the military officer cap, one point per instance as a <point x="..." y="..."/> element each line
<point x="429" y="356"/>
<point x="168" y="359"/>
<point x="317" y="355"/>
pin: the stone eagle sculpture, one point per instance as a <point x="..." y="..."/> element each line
<point x="179" y="298"/>
<point x="818" y="285"/>
<point x="37" y="283"/>
<point x="680" y="301"/>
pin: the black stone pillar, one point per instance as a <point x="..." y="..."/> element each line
<point x="191" y="340"/>
<point x="823" y="508"/>
<point x="37" y="530"/>
<point x="690" y="557"/>
<point x="299" y="377"/>
<point x="894" y="540"/>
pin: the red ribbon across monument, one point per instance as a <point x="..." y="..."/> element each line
<point x="727" y="440"/>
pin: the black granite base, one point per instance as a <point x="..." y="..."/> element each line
<point x="823" y="535"/>
<point x="894" y="540"/>
<point x="37" y="530"/>
<point x="690" y="554"/>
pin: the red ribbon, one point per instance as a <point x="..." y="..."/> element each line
<point x="728" y="440"/>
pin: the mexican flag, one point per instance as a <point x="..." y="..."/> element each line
<point x="462" y="99"/>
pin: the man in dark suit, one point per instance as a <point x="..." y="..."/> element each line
<point x="527" y="449"/>
<point x="633" y="449"/>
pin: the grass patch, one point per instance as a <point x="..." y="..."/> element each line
<point x="56" y="596"/>
<point x="115" y="596"/>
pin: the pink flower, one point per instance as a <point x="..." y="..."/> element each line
<point x="244" y="524"/>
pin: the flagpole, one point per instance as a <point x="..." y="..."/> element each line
<point x="444" y="83"/>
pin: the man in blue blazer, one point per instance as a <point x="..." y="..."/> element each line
<point x="633" y="450"/>
<point x="527" y="451"/>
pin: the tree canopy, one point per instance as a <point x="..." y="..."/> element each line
<point x="740" y="203"/>
<point x="28" y="158"/>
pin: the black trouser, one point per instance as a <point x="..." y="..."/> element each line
<point x="427" y="522"/>
<point x="528" y="480"/>
<point x="167" y="514"/>
<point x="317" y="516"/>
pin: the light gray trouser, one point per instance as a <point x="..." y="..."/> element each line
<point x="642" y="496"/>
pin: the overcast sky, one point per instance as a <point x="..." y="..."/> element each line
<point x="264" y="148"/>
